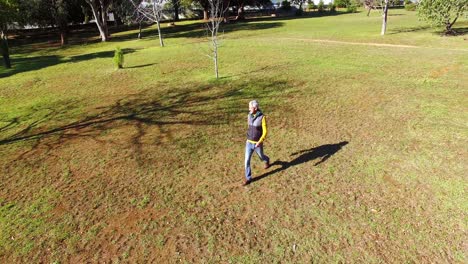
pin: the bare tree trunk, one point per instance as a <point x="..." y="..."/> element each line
<point x="63" y="29"/>
<point x="384" y="18"/>
<point x="63" y="37"/>
<point x="139" y="30"/>
<point x="161" y="42"/>
<point x="104" y="20"/>
<point x="217" y="14"/>
<point x="153" y="13"/>
<point x="157" y="11"/>
<point x="240" y="13"/>
<point x="98" y="23"/>
<point x="176" y="10"/>
<point x="215" y="53"/>
<point x="4" y="49"/>
<point x="205" y="14"/>
<point x="225" y="11"/>
<point x="369" y="5"/>
<point x="448" y="25"/>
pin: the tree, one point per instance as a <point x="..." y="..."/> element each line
<point x="443" y="12"/>
<point x="125" y="10"/>
<point x="58" y="10"/>
<point x="352" y="6"/>
<point x="299" y="3"/>
<point x="310" y="5"/>
<point x="150" y="10"/>
<point x="176" y="6"/>
<point x="100" y="9"/>
<point x="285" y="5"/>
<point x="384" y="17"/>
<point x="9" y="13"/>
<point x="217" y="11"/>
<point x="321" y="6"/>
<point x="239" y="5"/>
<point x="342" y="3"/>
<point x="205" y="4"/>
<point x="53" y="13"/>
<point x="369" y="5"/>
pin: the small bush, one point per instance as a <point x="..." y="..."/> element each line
<point x="321" y="6"/>
<point x="410" y="7"/>
<point x="285" y="5"/>
<point x="118" y="58"/>
<point x="298" y="12"/>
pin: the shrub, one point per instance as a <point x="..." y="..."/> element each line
<point x="298" y="12"/>
<point x="410" y="7"/>
<point x="285" y="5"/>
<point x="321" y="6"/>
<point x="118" y="58"/>
<point x="332" y="8"/>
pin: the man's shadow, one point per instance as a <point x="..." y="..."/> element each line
<point x="324" y="152"/>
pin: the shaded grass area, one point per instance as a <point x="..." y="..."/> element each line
<point x="145" y="164"/>
<point x="26" y="64"/>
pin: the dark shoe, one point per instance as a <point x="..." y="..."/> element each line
<point x="267" y="165"/>
<point x="246" y="182"/>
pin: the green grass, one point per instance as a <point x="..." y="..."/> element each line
<point x="145" y="163"/>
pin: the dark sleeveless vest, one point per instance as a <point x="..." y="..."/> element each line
<point x="255" y="129"/>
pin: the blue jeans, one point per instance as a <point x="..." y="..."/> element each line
<point x="249" y="149"/>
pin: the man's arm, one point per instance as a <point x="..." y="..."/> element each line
<point x="264" y="132"/>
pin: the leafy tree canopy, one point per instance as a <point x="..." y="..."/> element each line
<point x="442" y="12"/>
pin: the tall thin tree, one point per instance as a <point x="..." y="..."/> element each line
<point x="384" y="16"/>
<point x="152" y="11"/>
<point x="217" y="12"/>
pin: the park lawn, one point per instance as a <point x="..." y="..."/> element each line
<point x="145" y="163"/>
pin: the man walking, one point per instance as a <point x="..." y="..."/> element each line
<point x="256" y="134"/>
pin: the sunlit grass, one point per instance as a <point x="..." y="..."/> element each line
<point x="145" y="163"/>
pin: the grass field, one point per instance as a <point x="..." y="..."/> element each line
<point x="368" y="135"/>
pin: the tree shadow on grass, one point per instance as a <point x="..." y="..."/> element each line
<point x="26" y="64"/>
<point x="306" y="15"/>
<point x="197" y="30"/>
<point x="52" y="125"/>
<point x="27" y="41"/>
<point x="456" y="31"/>
<point x="407" y="30"/>
<point x="324" y="152"/>
<point x="140" y="66"/>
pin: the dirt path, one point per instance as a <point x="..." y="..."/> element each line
<point x="365" y="43"/>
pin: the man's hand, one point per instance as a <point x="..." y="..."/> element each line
<point x="258" y="144"/>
